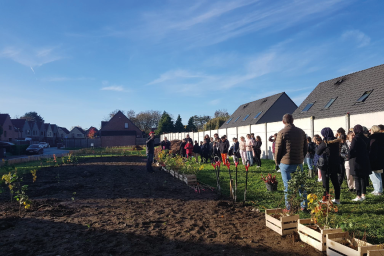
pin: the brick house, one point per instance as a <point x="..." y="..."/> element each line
<point x="22" y="128"/>
<point x="9" y="133"/>
<point x="77" y="133"/>
<point x="119" y="131"/>
<point x="62" y="132"/>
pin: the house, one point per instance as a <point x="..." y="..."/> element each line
<point x="35" y="131"/>
<point x="6" y="125"/>
<point x="265" y="110"/>
<point x="22" y="128"/>
<point x="345" y="101"/>
<point x="77" y="133"/>
<point x="62" y="132"/>
<point x="48" y="130"/>
<point x="54" y="130"/>
<point x="42" y="131"/>
<point x="119" y="131"/>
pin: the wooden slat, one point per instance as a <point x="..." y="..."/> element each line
<point x="274" y="228"/>
<point x="294" y="218"/>
<point x="289" y="225"/>
<point x="376" y="252"/>
<point x="273" y="220"/>
<point x="270" y="211"/>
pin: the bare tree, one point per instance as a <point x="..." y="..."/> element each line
<point x="221" y="113"/>
<point x="131" y="114"/>
<point x="146" y="120"/>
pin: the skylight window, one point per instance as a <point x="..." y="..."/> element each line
<point x="364" y="96"/>
<point x="330" y="102"/>
<point x="258" y="114"/>
<point x="237" y="119"/>
<point x="245" y="118"/>
<point x="230" y="119"/>
<point x="309" y="105"/>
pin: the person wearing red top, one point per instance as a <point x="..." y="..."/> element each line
<point x="189" y="149"/>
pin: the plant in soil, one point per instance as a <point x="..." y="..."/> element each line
<point x="322" y="212"/>
<point x="190" y="166"/>
<point x="269" y="179"/>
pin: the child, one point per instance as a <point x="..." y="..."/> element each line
<point x="188" y="149"/>
<point x="224" y="148"/>
<point x="216" y="150"/>
<point x="249" y="149"/>
<point x="318" y="141"/>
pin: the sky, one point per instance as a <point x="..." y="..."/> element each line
<point x="74" y="62"/>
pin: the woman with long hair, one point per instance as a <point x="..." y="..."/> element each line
<point x="359" y="162"/>
<point x="345" y="154"/>
<point x="376" y="157"/>
<point x="257" y="149"/>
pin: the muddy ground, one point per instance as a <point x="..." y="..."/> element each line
<point x="112" y="206"/>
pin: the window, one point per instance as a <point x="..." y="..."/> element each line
<point x="309" y="105"/>
<point x="330" y="102"/>
<point x="230" y="119"/>
<point x="126" y="125"/>
<point x="258" y="114"/>
<point x="237" y="119"/>
<point x="364" y="96"/>
<point x="245" y="118"/>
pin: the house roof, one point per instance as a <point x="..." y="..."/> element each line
<point x="39" y="124"/>
<point x="79" y="128"/>
<point x="252" y="109"/>
<point x="103" y="123"/>
<point x="347" y="90"/>
<point x="65" y="130"/>
<point x="31" y="124"/>
<point x="18" y="123"/>
<point x="3" y="117"/>
<point x="46" y="126"/>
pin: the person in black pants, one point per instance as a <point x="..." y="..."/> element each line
<point x="257" y="149"/>
<point x="150" y="151"/>
<point x="331" y="170"/>
<point x="359" y="162"/>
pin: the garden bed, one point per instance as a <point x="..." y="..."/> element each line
<point x="283" y="225"/>
<point x="121" y="209"/>
<point x="342" y="244"/>
<point x="313" y="235"/>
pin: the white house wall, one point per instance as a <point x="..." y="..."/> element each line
<point x="304" y="124"/>
<point x="334" y="123"/>
<point x="222" y="132"/>
<point x="367" y="120"/>
<point x="231" y="133"/>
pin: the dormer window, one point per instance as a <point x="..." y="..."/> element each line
<point x="237" y="119"/>
<point x="126" y="126"/>
<point x="364" y="96"/>
<point x="308" y="107"/>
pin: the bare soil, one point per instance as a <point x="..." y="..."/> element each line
<point x="112" y="206"/>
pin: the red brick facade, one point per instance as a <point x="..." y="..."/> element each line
<point x="119" y="131"/>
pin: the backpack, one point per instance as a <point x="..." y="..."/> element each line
<point x="323" y="161"/>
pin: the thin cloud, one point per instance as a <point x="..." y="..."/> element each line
<point x="33" y="70"/>
<point x="31" y="57"/>
<point x="113" y="88"/>
<point x="356" y="35"/>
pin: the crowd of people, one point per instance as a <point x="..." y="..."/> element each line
<point x="357" y="155"/>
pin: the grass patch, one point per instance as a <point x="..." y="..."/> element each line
<point x="358" y="217"/>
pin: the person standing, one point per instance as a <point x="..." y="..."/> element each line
<point x="345" y="154"/>
<point x="331" y="164"/>
<point x="359" y="162"/>
<point x="224" y="148"/>
<point x="309" y="156"/>
<point x="182" y="148"/>
<point x="291" y="148"/>
<point x="188" y="149"/>
<point x="150" y="150"/>
<point x="257" y="149"/>
<point x="197" y="151"/>
<point x="188" y="139"/>
<point x="376" y="157"/>
<point x="341" y="136"/>
<point x="273" y="140"/>
<point x="165" y="144"/>
<point x="317" y="140"/>
<point x="249" y="149"/>
<point x="243" y="150"/>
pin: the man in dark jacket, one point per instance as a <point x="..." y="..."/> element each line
<point x="182" y="148"/>
<point x="165" y="144"/>
<point x="291" y="147"/>
<point x="376" y="157"/>
<point x="188" y="139"/>
<point x="150" y="151"/>
<point x="309" y="156"/>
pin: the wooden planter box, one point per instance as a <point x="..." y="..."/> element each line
<point x="189" y="179"/>
<point x="312" y="237"/>
<point x="334" y="246"/>
<point x="284" y="226"/>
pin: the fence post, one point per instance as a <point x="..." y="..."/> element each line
<point x="266" y="141"/>
<point x="347" y="122"/>
<point x="312" y="126"/>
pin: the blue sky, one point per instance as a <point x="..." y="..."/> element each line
<point x="74" y="62"/>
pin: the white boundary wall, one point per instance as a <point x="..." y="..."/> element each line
<point x="309" y="125"/>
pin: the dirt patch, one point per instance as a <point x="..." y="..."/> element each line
<point x="112" y="206"/>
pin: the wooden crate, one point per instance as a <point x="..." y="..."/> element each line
<point x="335" y="248"/>
<point x="313" y="238"/>
<point x="286" y="225"/>
<point x="375" y="252"/>
<point x="189" y="179"/>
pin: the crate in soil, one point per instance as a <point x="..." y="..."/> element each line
<point x="189" y="179"/>
<point x="314" y="238"/>
<point x="284" y="226"/>
<point x="335" y="246"/>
